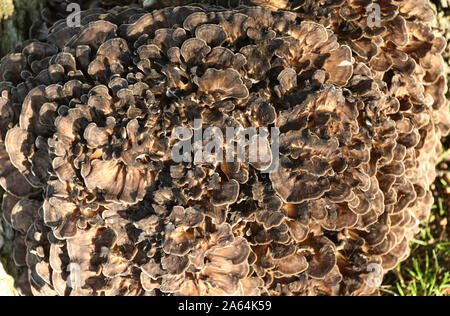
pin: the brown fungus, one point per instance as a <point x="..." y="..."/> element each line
<point x="88" y="122"/>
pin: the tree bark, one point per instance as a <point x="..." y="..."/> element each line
<point x="8" y="271"/>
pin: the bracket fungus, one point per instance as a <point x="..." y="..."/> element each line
<point x="88" y="118"/>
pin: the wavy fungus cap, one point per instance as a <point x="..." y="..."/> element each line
<point x="88" y="118"/>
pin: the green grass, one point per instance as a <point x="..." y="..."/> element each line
<point x="427" y="271"/>
<point x="422" y="275"/>
<point x="426" y="278"/>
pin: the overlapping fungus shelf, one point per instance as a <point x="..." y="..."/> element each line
<point x="87" y="121"/>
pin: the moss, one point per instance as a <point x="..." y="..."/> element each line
<point x="6" y="284"/>
<point x="6" y="9"/>
<point x="16" y="17"/>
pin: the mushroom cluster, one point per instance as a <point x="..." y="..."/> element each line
<point x="88" y="118"/>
